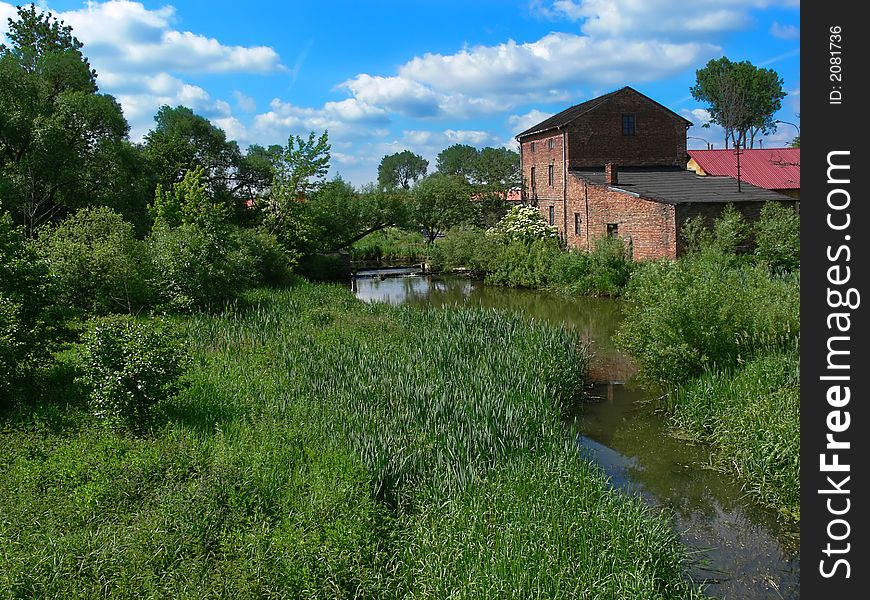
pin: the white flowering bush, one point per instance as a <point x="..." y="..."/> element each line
<point x="129" y="365"/>
<point x="523" y="224"/>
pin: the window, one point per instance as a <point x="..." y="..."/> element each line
<point x="552" y="215"/>
<point x="612" y="230"/>
<point x="550" y="175"/>
<point x="628" y="125"/>
<point x="551" y="143"/>
<point x="578" y="224"/>
<point x="532" y="177"/>
<point x="532" y="146"/>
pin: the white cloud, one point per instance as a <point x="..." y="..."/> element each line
<point x="552" y="63"/>
<point x="244" y="102"/>
<point x="519" y="123"/>
<point x="785" y="32"/>
<point x="438" y="140"/>
<point x="664" y="19"/>
<point x="120" y="35"/>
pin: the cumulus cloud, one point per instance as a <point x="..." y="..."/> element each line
<point x="664" y="19"/>
<point x="519" y="123"/>
<point x="120" y="35"/>
<point x="553" y="62"/>
<point x="441" y="139"/>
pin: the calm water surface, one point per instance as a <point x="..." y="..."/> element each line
<point x="741" y="550"/>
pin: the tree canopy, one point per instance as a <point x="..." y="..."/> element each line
<point x="742" y="98"/>
<point x="59" y="138"/>
<point x="399" y="170"/>
<point x="440" y="202"/>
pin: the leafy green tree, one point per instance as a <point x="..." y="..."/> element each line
<point x="58" y="136"/>
<point x="341" y="215"/>
<point x="778" y="237"/>
<point x="182" y="140"/>
<point x="187" y="202"/>
<point x="440" y="202"/>
<point x="458" y="159"/>
<point x="796" y="142"/>
<point x="743" y="99"/>
<point x="399" y="170"/>
<point x="299" y="170"/>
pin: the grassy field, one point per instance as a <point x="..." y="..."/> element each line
<point x="323" y="448"/>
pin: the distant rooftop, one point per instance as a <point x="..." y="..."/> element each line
<point x="769" y="168"/>
<point x="676" y="186"/>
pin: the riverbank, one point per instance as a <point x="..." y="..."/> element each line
<point x="327" y="448"/>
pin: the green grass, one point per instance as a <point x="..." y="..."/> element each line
<point x="390" y="244"/>
<point x="324" y="448"/>
<point x="752" y="416"/>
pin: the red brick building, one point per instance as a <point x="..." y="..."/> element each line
<point x="616" y="165"/>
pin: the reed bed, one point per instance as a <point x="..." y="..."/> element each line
<point x="324" y="448"/>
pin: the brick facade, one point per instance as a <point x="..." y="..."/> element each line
<point x="596" y="138"/>
<point x="647" y="227"/>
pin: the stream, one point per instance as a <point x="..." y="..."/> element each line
<point x="741" y="550"/>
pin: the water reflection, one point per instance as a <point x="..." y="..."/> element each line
<point x="742" y="550"/>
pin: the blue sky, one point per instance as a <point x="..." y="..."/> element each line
<point x="385" y="76"/>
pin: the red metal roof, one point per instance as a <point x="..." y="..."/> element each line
<point x="768" y="168"/>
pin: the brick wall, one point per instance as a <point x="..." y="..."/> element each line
<point x="596" y="137"/>
<point x="547" y="152"/>
<point x="648" y="226"/>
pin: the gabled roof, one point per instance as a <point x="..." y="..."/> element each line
<point x="675" y="186"/>
<point x="768" y="168"/>
<point x="569" y="114"/>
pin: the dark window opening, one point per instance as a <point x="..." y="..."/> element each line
<point x="628" y="125"/>
<point x="612" y="229"/>
<point x="551" y="143"/>
<point x="532" y="177"/>
<point x="578" y="224"/>
<point x="552" y="215"/>
<point x="550" y="175"/>
<point x="532" y="146"/>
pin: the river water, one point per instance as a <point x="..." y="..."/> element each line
<point x="741" y="550"/>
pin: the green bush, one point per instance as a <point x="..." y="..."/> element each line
<point x="97" y="264"/>
<point x="129" y="366"/>
<point x="524" y="264"/>
<point x="200" y="266"/>
<point x="703" y="313"/>
<point x="777" y="237"/>
<point x="273" y="263"/>
<point x="603" y="272"/>
<point x="25" y="327"/>
<point x="525" y="224"/>
<point x="464" y="247"/>
<point x="324" y="267"/>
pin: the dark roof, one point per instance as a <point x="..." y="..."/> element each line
<point x="680" y="187"/>
<point x="569" y="114"/>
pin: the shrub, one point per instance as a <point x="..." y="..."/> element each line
<point x="97" y="264"/>
<point x="129" y="365"/>
<point x="603" y="272"/>
<point x="24" y="324"/>
<point x="273" y="263"/>
<point x="464" y="247"/>
<point x="200" y="266"/>
<point x="325" y="267"/>
<point x="524" y="264"/>
<point x="703" y="313"/>
<point x="777" y="237"/>
<point x="525" y="224"/>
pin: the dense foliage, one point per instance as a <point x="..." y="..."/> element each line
<point x="129" y="366"/>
